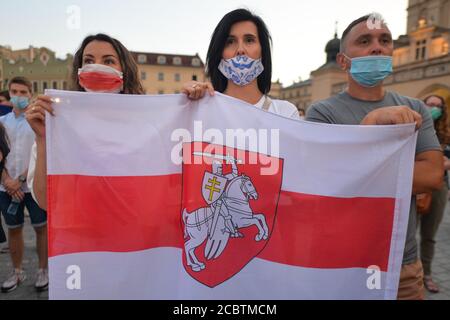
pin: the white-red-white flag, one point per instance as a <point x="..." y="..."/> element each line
<point x="157" y="197"/>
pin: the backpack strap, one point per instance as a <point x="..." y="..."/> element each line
<point x="267" y="103"/>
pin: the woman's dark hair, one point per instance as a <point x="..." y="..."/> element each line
<point x="131" y="83"/>
<point x="217" y="45"/>
<point x="4" y="146"/>
<point x="5" y="94"/>
<point x="441" y="125"/>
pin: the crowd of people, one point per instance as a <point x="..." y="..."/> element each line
<point x="239" y="65"/>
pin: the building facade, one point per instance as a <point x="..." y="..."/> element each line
<point x="422" y="57"/>
<point x="324" y="82"/>
<point x="39" y="65"/>
<point x="166" y="73"/>
<point x="421" y="60"/>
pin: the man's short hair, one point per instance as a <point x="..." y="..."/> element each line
<point x="355" y="23"/>
<point x="21" y="80"/>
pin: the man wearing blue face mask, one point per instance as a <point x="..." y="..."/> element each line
<point x="14" y="193"/>
<point x="366" y="55"/>
<point x="5" y="105"/>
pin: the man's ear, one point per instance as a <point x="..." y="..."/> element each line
<point x="343" y="61"/>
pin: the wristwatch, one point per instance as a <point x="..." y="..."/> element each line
<point x="22" y="179"/>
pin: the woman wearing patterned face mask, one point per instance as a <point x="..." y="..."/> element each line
<point x="429" y="222"/>
<point x="101" y="64"/>
<point x="239" y="64"/>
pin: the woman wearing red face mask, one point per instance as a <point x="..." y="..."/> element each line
<point x="101" y="64"/>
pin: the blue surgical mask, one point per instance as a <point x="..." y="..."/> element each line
<point x="20" y="102"/>
<point x="242" y="70"/>
<point x="371" y="70"/>
<point x="436" y="113"/>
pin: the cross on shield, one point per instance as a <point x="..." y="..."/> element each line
<point x="212" y="187"/>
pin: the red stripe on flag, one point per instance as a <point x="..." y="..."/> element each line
<point x="118" y="214"/>
<point x="326" y="232"/>
<point x="125" y="214"/>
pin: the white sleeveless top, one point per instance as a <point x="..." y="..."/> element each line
<point x="281" y="107"/>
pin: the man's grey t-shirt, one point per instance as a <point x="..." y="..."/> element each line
<point x="344" y="109"/>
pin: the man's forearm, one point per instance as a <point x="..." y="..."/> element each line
<point x="427" y="177"/>
<point x="5" y="175"/>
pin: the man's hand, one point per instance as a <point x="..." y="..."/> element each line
<point x="446" y="163"/>
<point x="18" y="196"/>
<point x="393" y="115"/>
<point x="11" y="185"/>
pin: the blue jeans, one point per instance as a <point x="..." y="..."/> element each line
<point x="37" y="215"/>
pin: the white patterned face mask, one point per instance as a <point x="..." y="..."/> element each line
<point x="241" y="69"/>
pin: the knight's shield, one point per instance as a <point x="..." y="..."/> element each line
<point x="212" y="205"/>
<point x="212" y="187"/>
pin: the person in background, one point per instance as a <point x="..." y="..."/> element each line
<point x="4" y="151"/>
<point x="429" y="222"/>
<point x="5" y="104"/>
<point x="14" y="192"/>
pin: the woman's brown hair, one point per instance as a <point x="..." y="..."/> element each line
<point x="442" y="124"/>
<point x="131" y="83"/>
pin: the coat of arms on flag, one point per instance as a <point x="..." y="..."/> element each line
<point x="228" y="209"/>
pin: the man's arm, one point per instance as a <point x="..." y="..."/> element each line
<point x="317" y="113"/>
<point x="428" y="172"/>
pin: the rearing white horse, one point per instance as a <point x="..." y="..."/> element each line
<point x="235" y="200"/>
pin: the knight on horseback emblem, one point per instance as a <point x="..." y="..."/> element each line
<point x="228" y="197"/>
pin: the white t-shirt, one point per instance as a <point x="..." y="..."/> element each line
<point x="21" y="137"/>
<point x="282" y="107"/>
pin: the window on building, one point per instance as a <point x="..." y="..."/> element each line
<point x="161" y="60"/>
<point x="177" y="61"/>
<point x="44" y="86"/>
<point x="196" y="62"/>
<point x="194" y="77"/>
<point x="142" y="58"/>
<point x="161" y="76"/>
<point x="55" y="85"/>
<point x="421" y="49"/>
<point x="161" y="92"/>
<point x="143" y="75"/>
<point x="64" y="85"/>
<point x="35" y="87"/>
<point x="177" y="77"/>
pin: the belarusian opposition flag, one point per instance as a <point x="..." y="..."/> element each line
<point x="157" y="197"/>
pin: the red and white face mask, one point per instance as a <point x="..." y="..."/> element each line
<point x="100" y="78"/>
